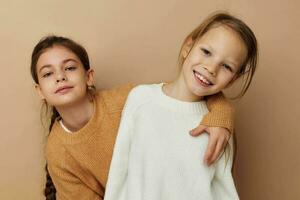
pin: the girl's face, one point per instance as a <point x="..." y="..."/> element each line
<point x="62" y="78"/>
<point x="213" y="62"/>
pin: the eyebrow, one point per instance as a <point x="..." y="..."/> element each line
<point x="64" y="61"/>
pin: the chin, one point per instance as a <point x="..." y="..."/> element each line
<point x="202" y="92"/>
<point x="64" y="101"/>
<point x="196" y="92"/>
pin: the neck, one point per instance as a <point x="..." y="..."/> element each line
<point x="178" y="89"/>
<point x="75" y="116"/>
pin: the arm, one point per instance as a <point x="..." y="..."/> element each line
<point x="221" y="112"/>
<point x="218" y="123"/>
<point x="116" y="182"/>
<point x="222" y="184"/>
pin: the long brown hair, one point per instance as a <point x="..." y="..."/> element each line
<point x="43" y="45"/>
<point x="248" y="68"/>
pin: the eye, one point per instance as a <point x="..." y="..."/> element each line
<point x="227" y="67"/>
<point x="70" y="68"/>
<point x="206" y="52"/>
<point x="47" y="74"/>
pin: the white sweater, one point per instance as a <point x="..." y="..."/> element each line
<point x="155" y="158"/>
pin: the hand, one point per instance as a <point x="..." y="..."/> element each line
<point x="217" y="141"/>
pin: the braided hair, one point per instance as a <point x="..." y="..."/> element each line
<point x="43" y="45"/>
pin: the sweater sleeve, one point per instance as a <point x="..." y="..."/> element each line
<point x="221" y="112"/>
<point x="119" y="165"/>
<point x="222" y="186"/>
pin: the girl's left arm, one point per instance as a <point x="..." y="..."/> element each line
<point x="218" y="123"/>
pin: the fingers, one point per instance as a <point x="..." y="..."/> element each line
<point x="218" y="150"/>
<point x="210" y="149"/>
<point x="198" y="130"/>
<point x="221" y="142"/>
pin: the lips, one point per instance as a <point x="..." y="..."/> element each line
<point x="63" y="89"/>
<point x="204" y="81"/>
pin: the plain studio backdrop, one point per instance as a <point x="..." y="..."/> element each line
<point x="138" y="41"/>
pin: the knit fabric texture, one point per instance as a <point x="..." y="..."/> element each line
<point x="156" y="158"/>
<point x="78" y="162"/>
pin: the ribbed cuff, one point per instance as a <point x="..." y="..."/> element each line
<point x="221" y="113"/>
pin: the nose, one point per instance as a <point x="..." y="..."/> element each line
<point x="59" y="80"/>
<point x="61" y="77"/>
<point x="212" y="68"/>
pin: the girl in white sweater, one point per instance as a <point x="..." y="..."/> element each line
<point x="155" y="158"/>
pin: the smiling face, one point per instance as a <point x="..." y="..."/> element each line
<point x="213" y="62"/>
<point x="62" y="77"/>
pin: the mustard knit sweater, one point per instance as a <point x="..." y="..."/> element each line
<point x="78" y="162"/>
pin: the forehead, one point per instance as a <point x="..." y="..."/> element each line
<point x="221" y="33"/>
<point x="55" y="55"/>
<point x="224" y="40"/>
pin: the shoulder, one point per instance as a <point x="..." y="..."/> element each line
<point x="114" y="98"/>
<point x="116" y="92"/>
<point x="143" y="92"/>
<point x="141" y="95"/>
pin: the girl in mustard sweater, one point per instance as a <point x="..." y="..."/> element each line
<point x="84" y="123"/>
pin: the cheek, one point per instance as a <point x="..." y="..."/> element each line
<point x="46" y="90"/>
<point x="192" y="60"/>
<point x="225" y="78"/>
<point x="189" y="63"/>
<point x="44" y="84"/>
<point x="186" y="72"/>
<point x="81" y="81"/>
<point x="80" y="75"/>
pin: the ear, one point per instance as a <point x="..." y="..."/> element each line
<point x="187" y="46"/>
<point x="90" y="77"/>
<point x="39" y="91"/>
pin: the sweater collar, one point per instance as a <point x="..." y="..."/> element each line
<point x="178" y="105"/>
<point x="87" y="130"/>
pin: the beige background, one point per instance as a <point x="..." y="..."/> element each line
<point x="138" y="41"/>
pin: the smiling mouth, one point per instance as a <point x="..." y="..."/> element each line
<point x="202" y="79"/>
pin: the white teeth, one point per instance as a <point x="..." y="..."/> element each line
<point x="202" y="78"/>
